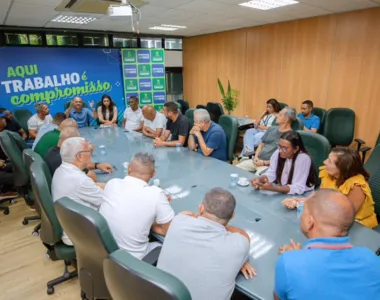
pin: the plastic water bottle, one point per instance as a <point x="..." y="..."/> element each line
<point x="103" y="150"/>
<point x="299" y="210"/>
<point x="178" y="147"/>
<point x="234" y="179"/>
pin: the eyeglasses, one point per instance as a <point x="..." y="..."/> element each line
<point x="281" y="148"/>
<point x="84" y="151"/>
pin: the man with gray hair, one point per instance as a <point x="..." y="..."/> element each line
<point x="204" y="252"/>
<point x="328" y="266"/>
<point x="41" y="117"/>
<point x="133" y="208"/>
<point x="207" y="137"/>
<point x="70" y="181"/>
<point x="269" y="141"/>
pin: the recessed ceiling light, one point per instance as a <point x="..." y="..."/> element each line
<point x="73" y="19"/>
<point x="163" y="28"/>
<point x="268" y="4"/>
<point x="174" y="26"/>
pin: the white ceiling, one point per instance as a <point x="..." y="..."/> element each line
<point x="200" y="16"/>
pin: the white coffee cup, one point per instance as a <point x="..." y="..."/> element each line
<point x="243" y="181"/>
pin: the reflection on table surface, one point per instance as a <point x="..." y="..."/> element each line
<point x="187" y="176"/>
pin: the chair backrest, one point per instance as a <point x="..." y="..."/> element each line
<point x="201" y="106"/>
<point x="93" y="242"/>
<point x="130" y="278"/>
<point x="215" y="110"/>
<point x="282" y="105"/>
<point x="374" y="184"/>
<point x="18" y="139"/>
<point x="184" y="104"/>
<point x="378" y="140"/>
<point x="179" y="106"/>
<point x="67" y="104"/>
<point x="339" y="126"/>
<point x="190" y="115"/>
<point x="297" y="124"/>
<point x="230" y="127"/>
<point x="14" y="154"/>
<point x="321" y="114"/>
<point x="317" y="146"/>
<point x="29" y="157"/>
<point x="373" y="162"/>
<point x="22" y="116"/>
<point x="40" y="178"/>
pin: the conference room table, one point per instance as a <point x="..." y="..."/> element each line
<point x="187" y="176"/>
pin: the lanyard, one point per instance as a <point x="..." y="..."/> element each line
<point x="266" y="120"/>
<point x="329" y="246"/>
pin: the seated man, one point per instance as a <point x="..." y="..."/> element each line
<point x="204" y="252"/>
<point x="132" y="208"/>
<point x="12" y="124"/>
<point x="57" y="120"/>
<point x="51" y="138"/>
<point x="69" y="180"/>
<point x="154" y="122"/>
<point x="133" y="118"/>
<point x="53" y="157"/>
<point x="177" y="128"/>
<point x="269" y="142"/>
<point x="310" y="121"/>
<point x="41" y="117"/>
<point x="80" y="114"/>
<point x="207" y="137"/>
<point x="328" y="266"/>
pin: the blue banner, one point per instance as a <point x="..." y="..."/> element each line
<point x="56" y="75"/>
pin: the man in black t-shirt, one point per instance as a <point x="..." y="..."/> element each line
<point x="177" y="128"/>
<point x="12" y="124"/>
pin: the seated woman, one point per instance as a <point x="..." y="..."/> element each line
<point x="290" y="168"/>
<point x="252" y="137"/>
<point x="344" y="171"/>
<point x="107" y="111"/>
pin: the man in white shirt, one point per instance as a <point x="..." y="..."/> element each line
<point x="69" y="180"/>
<point x="154" y="122"/>
<point x="41" y="117"/>
<point x="133" y="118"/>
<point x="132" y="207"/>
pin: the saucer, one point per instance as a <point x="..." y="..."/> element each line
<point x="246" y="183"/>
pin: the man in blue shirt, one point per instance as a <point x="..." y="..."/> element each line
<point x="80" y="114"/>
<point x="207" y="137"/>
<point x="311" y="122"/>
<point x="328" y="266"/>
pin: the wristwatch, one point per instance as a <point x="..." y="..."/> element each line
<point x="96" y="165"/>
<point x="85" y="170"/>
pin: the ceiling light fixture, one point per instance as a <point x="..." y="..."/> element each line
<point x="268" y="4"/>
<point x="73" y="19"/>
<point x="174" y="26"/>
<point x="163" y="28"/>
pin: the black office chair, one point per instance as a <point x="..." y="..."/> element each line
<point x="215" y="110"/>
<point x="132" y="279"/>
<point x="282" y="105"/>
<point x="184" y="105"/>
<point x="201" y="106"/>
<point x="297" y="124"/>
<point x="339" y="126"/>
<point x="321" y="114"/>
<point x="21" y="173"/>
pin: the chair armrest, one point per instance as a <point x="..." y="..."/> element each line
<point x="152" y="257"/>
<point x="360" y="143"/>
<point x="246" y="126"/>
<point x="365" y="149"/>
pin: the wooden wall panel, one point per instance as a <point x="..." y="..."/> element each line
<point x="332" y="60"/>
<point x="306" y="66"/>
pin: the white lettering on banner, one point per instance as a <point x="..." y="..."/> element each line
<point x="37" y="83"/>
<point x="143" y="56"/>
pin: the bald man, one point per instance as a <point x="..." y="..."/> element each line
<point x="328" y="266"/>
<point x="154" y="122"/>
<point x="132" y="207"/>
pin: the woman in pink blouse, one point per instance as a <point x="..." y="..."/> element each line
<point x="291" y="170"/>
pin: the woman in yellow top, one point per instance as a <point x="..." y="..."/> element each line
<point x="344" y="171"/>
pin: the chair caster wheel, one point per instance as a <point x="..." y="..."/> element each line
<point x="35" y="233"/>
<point x="25" y="222"/>
<point x="12" y="201"/>
<point x="47" y="256"/>
<point x="83" y="295"/>
<point x="6" y="211"/>
<point x="50" y="290"/>
<point x="66" y="275"/>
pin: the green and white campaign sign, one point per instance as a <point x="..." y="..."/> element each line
<point x="144" y="75"/>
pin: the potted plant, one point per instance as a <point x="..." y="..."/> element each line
<point x="230" y="99"/>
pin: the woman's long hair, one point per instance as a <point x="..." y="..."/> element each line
<point x="349" y="164"/>
<point x="110" y="108"/>
<point x="275" y="105"/>
<point x="295" y="140"/>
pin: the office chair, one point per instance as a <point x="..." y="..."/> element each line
<point x="130" y="278"/>
<point x="190" y="115"/>
<point x="51" y="230"/>
<point x="321" y="114"/>
<point x="184" y="105"/>
<point x="22" y="116"/>
<point x="230" y="127"/>
<point x="339" y="126"/>
<point x="215" y="110"/>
